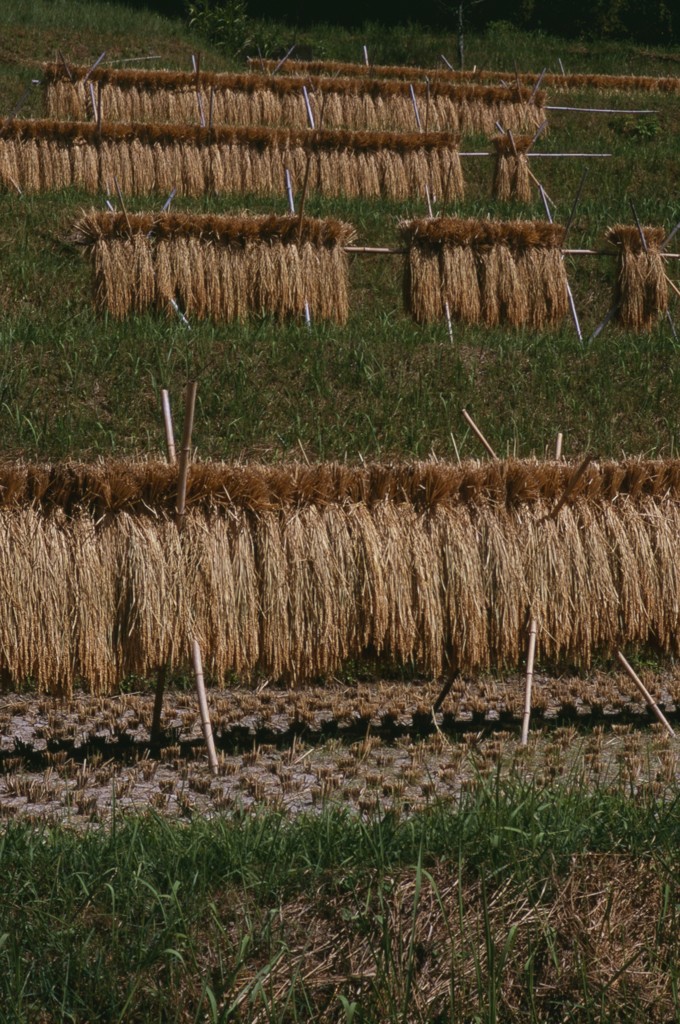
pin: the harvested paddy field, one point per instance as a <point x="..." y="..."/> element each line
<point x="374" y="747"/>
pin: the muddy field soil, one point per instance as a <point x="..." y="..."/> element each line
<point x="373" y="747"/>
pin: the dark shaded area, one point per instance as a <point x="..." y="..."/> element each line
<point x="648" y="21"/>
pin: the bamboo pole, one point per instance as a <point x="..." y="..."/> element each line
<point x="390" y="251"/>
<point x="185" y="452"/>
<point x="570" y="296"/>
<point x="203" y="706"/>
<point x="122" y="203"/>
<point x="284" y="59"/>
<point x="558" y="447"/>
<point x="645" y="692"/>
<point x="449" y="327"/>
<point x="529" y="683"/>
<point x="601" y="110"/>
<point x="477" y="432"/>
<point x="169" y="432"/>
<point x="96" y="64"/>
<point x="155" y="731"/>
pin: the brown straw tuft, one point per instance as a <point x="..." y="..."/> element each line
<point x="44" y="155"/>
<point x="218" y="267"/>
<point x="641" y="285"/>
<point x="487" y="271"/>
<point x="356" y="102"/>
<point x="565" y="83"/>
<point x="511" y="172"/>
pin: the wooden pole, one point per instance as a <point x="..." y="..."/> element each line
<point x="284" y="59"/>
<point x="185" y="452"/>
<point x="155" y="732"/>
<point x="570" y="296"/>
<point x="310" y="115"/>
<point x="529" y="683"/>
<point x="414" y="101"/>
<point x="645" y="692"/>
<point x="62" y="58"/>
<point x="570" y="486"/>
<point x="477" y="432"/>
<point x="289" y="190"/>
<point x="96" y="64"/>
<point x="122" y="203"/>
<point x="203" y="706"/>
<point x="305" y="185"/>
<point x="558" y="447"/>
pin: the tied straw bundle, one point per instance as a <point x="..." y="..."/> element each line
<point x="401" y="72"/>
<point x="218" y="267"/>
<point x="488" y="272"/>
<point x="511" y="179"/>
<point x="355" y="103"/>
<point x="291" y="570"/>
<point x="641" y="285"/>
<point x="45" y="155"/>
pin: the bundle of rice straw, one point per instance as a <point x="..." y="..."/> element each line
<point x="488" y="272"/>
<point x="564" y="83"/>
<point x="218" y="267"/>
<point x="511" y="179"/>
<point x="641" y="285"/>
<point x="291" y="570"/>
<point x="356" y="103"/>
<point x="44" y="155"/>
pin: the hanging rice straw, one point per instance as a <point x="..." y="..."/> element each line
<point x="641" y="286"/>
<point x="487" y="271"/>
<point x="47" y="155"/>
<point x="288" y="571"/>
<point x="222" y="268"/>
<point x="361" y="104"/>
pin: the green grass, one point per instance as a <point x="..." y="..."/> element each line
<point x="455" y="914"/>
<point x="76" y="385"/>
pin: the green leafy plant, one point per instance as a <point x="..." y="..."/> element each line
<point x="224" y="23"/>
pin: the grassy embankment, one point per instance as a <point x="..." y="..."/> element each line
<point x="74" y="384"/>
<point x="529" y="901"/>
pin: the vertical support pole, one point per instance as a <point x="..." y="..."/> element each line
<point x="529" y="683"/>
<point x="169" y="433"/>
<point x="155" y="732"/>
<point x="203" y="706"/>
<point x="558" y="447"/>
<point x="185" y="453"/>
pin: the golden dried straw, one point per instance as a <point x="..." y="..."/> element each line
<point x="290" y="570"/>
<point x="488" y="272"/>
<point x="216" y="266"/>
<point x="43" y="155"/>
<point x="604" y="83"/>
<point x="356" y="102"/>
<point x="641" y="284"/>
<point x="511" y="178"/>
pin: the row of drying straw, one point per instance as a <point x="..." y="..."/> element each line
<point x="563" y="82"/>
<point x="224" y="268"/>
<point x="147" y="486"/>
<point x="293" y="593"/>
<point x="256" y="100"/>
<point x="45" y="155"/>
<point x="513" y="272"/>
<point x="475" y="271"/>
